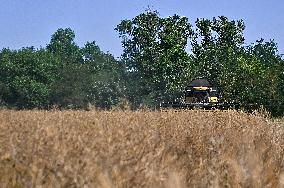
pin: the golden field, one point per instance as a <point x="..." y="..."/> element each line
<point x="140" y="149"/>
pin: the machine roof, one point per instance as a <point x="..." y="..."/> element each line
<point x="200" y="83"/>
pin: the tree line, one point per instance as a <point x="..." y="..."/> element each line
<point x="161" y="56"/>
<point x="60" y="75"/>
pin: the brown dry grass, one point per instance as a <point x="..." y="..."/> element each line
<point x="140" y="149"/>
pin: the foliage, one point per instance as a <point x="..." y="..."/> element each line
<point x="161" y="56"/>
<point x="70" y="90"/>
<point x="62" y="75"/>
<point x="216" y="46"/>
<point x="63" y="46"/>
<point x="27" y="75"/>
<point x="106" y="88"/>
<point x="154" y="52"/>
<point x="266" y="83"/>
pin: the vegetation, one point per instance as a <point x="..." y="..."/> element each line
<point x="61" y="75"/>
<point x="161" y="55"/>
<point x="155" y="50"/>
<point x="140" y="149"/>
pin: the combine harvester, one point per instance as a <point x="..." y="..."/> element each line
<point x="200" y="94"/>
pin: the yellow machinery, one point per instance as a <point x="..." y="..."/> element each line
<point x="201" y="94"/>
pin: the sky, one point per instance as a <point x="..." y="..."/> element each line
<point x="26" y="23"/>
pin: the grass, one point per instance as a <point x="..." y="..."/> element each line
<point x="140" y="149"/>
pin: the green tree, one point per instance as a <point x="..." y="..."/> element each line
<point x="216" y="46"/>
<point x="62" y="45"/>
<point x="94" y="79"/>
<point x="107" y="86"/>
<point x="158" y="65"/>
<point x="26" y="76"/>
<point x="269" y="83"/>
<point x="71" y="89"/>
<point x="155" y="53"/>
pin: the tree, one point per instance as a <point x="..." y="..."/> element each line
<point x="155" y="53"/>
<point x="95" y="78"/>
<point x="71" y="89"/>
<point x="269" y="87"/>
<point x="216" y="46"/>
<point x="26" y="76"/>
<point x="107" y="86"/>
<point x="62" y="45"/>
<point x="158" y="65"/>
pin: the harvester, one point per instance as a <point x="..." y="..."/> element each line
<point x="201" y="94"/>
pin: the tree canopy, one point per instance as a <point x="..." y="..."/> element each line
<point x="168" y="52"/>
<point x="61" y="75"/>
<point x="155" y="51"/>
<point x="161" y="56"/>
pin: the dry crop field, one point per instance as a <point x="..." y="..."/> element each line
<point x="140" y="149"/>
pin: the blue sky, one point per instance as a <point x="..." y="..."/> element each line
<point x="32" y="22"/>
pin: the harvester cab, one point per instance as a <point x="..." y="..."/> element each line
<point x="201" y="95"/>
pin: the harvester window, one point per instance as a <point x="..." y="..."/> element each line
<point x="200" y="96"/>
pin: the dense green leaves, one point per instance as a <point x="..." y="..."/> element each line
<point x="161" y="56"/>
<point x="156" y="57"/>
<point x="268" y="69"/>
<point x="154" y="52"/>
<point x="27" y="75"/>
<point x="62" y="45"/>
<point x="62" y="75"/>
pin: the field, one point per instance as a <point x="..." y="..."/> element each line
<point x="140" y="149"/>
